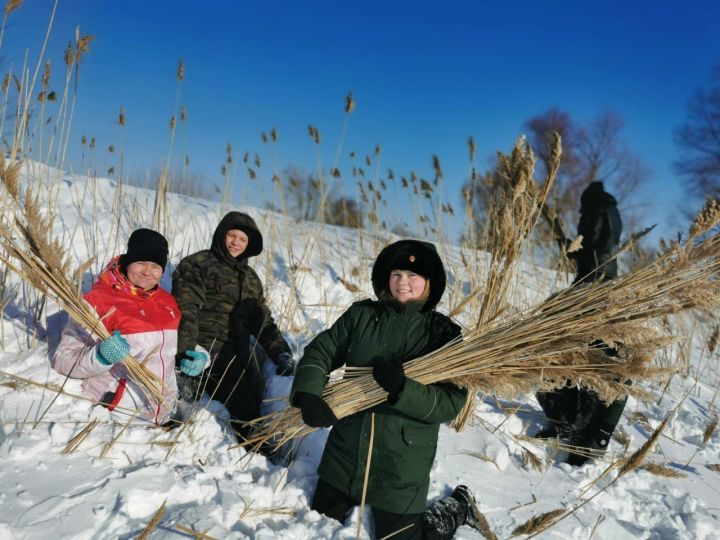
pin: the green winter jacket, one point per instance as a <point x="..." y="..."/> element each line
<point x="222" y="302"/>
<point x="406" y="431"/>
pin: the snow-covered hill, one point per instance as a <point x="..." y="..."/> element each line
<point x="112" y="483"/>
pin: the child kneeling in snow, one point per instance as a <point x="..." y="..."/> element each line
<point x="143" y="320"/>
<point x="409" y="279"/>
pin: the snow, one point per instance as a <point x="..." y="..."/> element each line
<point x="115" y="480"/>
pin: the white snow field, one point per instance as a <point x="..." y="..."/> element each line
<point x="112" y="483"/>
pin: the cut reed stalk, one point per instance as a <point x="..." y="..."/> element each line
<point x="197" y="535"/>
<point x="367" y="475"/>
<point x="75" y="442"/>
<point x="145" y="534"/>
<point x="115" y="439"/>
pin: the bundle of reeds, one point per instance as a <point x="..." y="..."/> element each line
<point x="564" y="340"/>
<point x="43" y="263"/>
<point x="514" y="214"/>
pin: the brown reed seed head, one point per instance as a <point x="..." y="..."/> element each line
<point x="263" y="137"/>
<point x="69" y="55"/>
<point x="121" y="116"/>
<point x="661" y="470"/>
<point x="575" y="245"/>
<point x="10" y="176"/>
<point x="6" y="82"/>
<point x="713" y="339"/>
<point x="639" y="455"/>
<point x="538" y="523"/>
<point x="46" y="75"/>
<point x="173" y="122"/>
<point x="52" y="96"/>
<point x="180" y="70"/>
<point x="436" y="167"/>
<point x="41" y="96"/>
<point x="111" y="148"/>
<point x="11" y="6"/>
<point x="349" y="103"/>
<point x="274" y="135"/>
<point x="706" y="218"/>
<point x="709" y="430"/>
<point x="83" y="46"/>
<point x="183" y="114"/>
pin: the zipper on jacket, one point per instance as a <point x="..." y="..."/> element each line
<point x="162" y="363"/>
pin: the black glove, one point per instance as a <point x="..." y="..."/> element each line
<point x="188" y="387"/>
<point x="390" y="376"/>
<point x="285" y="364"/>
<point x="315" y="411"/>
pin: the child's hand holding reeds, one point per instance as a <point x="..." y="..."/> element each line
<point x="113" y="349"/>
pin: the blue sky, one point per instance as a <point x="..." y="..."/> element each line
<point x="425" y="76"/>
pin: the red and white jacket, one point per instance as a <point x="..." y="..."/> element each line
<point x="149" y="321"/>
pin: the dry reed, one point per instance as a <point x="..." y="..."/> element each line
<point x="145" y="534"/>
<point x="197" y="535"/>
<point x="75" y="442"/>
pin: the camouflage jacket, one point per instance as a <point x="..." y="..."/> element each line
<point x="222" y="302"/>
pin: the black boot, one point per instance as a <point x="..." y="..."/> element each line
<point x="591" y="443"/>
<point x="445" y="515"/>
<point x="553" y="430"/>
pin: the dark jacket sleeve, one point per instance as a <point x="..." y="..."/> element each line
<point x="439" y="402"/>
<point x="614" y="229"/>
<point x="188" y="288"/>
<point x="260" y="322"/>
<point x="322" y="355"/>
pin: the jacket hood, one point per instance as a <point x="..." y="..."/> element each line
<point x="595" y="197"/>
<point x="416" y="256"/>
<point x="243" y="222"/>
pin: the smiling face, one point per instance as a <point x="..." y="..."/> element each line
<point x="406" y="286"/>
<point x="144" y="274"/>
<point x="236" y="242"/>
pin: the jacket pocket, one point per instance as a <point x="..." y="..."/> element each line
<point x="420" y="436"/>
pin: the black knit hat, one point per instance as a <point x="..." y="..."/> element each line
<point x="145" y="245"/>
<point x="419" y="257"/>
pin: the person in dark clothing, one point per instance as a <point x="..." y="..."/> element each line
<point x="408" y="278"/>
<point x="578" y="415"/>
<point x="600" y="226"/>
<point x="222" y="304"/>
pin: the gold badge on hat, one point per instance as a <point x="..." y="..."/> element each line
<point x="412" y="258"/>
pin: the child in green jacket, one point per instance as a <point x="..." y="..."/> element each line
<point x="409" y="279"/>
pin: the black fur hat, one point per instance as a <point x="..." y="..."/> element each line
<point x="415" y="256"/>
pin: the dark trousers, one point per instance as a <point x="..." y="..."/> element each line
<point x="336" y="504"/>
<point x="581" y="409"/>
